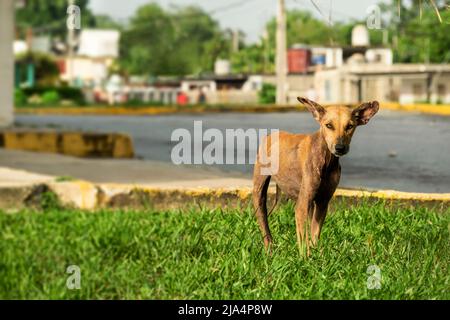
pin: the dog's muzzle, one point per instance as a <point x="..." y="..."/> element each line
<point x="341" y="149"/>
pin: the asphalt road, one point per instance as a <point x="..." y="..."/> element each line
<point x="400" y="151"/>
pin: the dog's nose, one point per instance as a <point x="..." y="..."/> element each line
<point x="341" y="148"/>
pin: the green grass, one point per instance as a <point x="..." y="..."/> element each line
<point x="219" y="255"/>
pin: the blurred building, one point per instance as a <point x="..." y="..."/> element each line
<point x="153" y="91"/>
<point x="361" y="72"/>
<point x="222" y="89"/>
<point x="404" y="83"/>
<point x="97" y="50"/>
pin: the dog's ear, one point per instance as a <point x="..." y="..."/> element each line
<point x="316" y="109"/>
<point x="365" y="112"/>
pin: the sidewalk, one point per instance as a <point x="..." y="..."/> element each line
<point x="21" y="168"/>
<point x="92" y="184"/>
<point x="14" y="178"/>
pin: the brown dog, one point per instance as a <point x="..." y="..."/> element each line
<point x="308" y="169"/>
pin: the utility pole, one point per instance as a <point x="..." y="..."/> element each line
<point x="236" y="38"/>
<point x="6" y="62"/>
<point x="281" y="54"/>
<point x="70" y="46"/>
<point x="265" y="42"/>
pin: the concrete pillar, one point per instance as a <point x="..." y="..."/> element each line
<point x="6" y="62"/>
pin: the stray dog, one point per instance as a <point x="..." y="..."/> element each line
<point x="308" y="169"/>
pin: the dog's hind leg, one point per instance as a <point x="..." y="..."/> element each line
<point x="276" y="201"/>
<point x="260" y="187"/>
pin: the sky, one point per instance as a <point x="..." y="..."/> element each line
<point x="247" y="15"/>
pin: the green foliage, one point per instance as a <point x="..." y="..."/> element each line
<point x="50" y="97"/>
<point x="219" y="255"/>
<point x="64" y="179"/>
<point x="50" y="201"/>
<point x="140" y="103"/>
<point x="303" y="28"/>
<point x="413" y="39"/>
<point x="417" y="39"/>
<point x="253" y="59"/>
<point x="181" y="41"/>
<point x="64" y="93"/>
<point x="51" y="16"/>
<point x="267" y="95"/>
<point x="20" y="97"/>
<point x="45" y="67"/>
<point x="106" y="22"/>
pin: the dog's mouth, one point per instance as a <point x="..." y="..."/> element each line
<point x="339" y="154"/>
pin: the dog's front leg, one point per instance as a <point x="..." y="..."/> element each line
<point x="320" y="212"/>
<point x="303" y="213"/>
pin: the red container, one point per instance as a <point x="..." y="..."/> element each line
<point x="299" y="60"/>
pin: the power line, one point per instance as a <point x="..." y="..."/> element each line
<point x="230" y="6"/>
<point x="330" y="9"/>
<point x="60" y="24"/>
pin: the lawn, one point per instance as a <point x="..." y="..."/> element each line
<point x="202" y="254"/>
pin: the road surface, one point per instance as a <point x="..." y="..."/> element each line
<point x="400" y="151"/>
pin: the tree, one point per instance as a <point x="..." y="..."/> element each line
<point x="182" y="41"/>
<point x="302" y="27"/>
<point x="145" y="45"/>
<point x="50" y="16"/>
<point x="106" y="22"/>
<point x="253" y="58"/>
<point x="199" y="40"/>
<point x="417" y="35"/>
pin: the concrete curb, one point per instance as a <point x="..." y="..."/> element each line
<point x="85" y="195"/>
<point x="442" y="110"/>
<point x="162" y="110"/>
<point x="78" y="144"/>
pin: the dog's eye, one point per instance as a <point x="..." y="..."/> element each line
<point x="329" y="126"/>
<point x="349" y="127"/>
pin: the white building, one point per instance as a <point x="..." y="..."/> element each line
<point x="97" y="51"/>
<point x="404" y="83"/>
<point x="361" y="73"/>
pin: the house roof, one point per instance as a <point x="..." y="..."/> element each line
<point x="215" y="77"/>
<point x="396" y="68"/>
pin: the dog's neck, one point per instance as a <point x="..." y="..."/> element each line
<point x="321" y="147"/>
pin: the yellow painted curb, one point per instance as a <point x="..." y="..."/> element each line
<point x="78" y="144"/>
<point x="89" y="196"/>
<point x="394" y="195"/>
<point x="172" y="197"/>
<point x="246" y="192"/>
<point x="443" y="110"/>
<point x="172" y="109"/>
<point x="160" y="110"/>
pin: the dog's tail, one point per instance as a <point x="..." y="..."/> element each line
<point x="277" y="199"/>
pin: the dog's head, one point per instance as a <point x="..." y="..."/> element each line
<point x="338" y="123"/>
